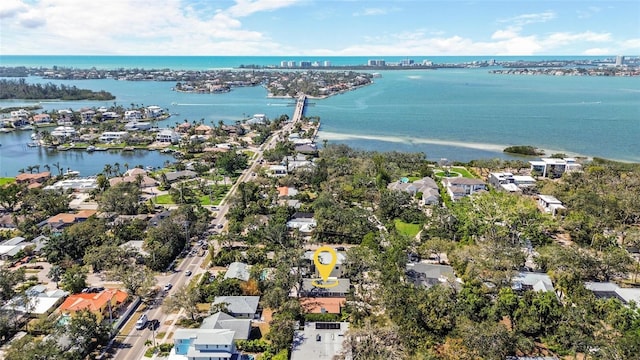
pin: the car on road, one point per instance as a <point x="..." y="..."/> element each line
<point x="188" y="273"/>
<point x="220" y="226"/>
<point x="168" y="287"/>
<point x="142" y="322"/>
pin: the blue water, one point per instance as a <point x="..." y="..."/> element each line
<point x="459" y="114"/>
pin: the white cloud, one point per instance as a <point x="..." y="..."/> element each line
<point x="597" y="51"/>
<point x="508" y="33"/>
<point x="631" y="46"/>
<point x="533" y="18"/>
<point x="248" y="7"/>
<point x="370" y="12"/>
<point x="10" y="8"/>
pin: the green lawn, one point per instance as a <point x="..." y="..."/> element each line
<point x="6" y="180"/>
<point x="163" y="199"/>
<point x="463" y="171"/>
<point x="410" y="230"/>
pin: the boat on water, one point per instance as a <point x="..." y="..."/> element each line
<point x="33" y="144"/>
<point x="91" y="148"/>
<point x="26" y="127"/>
<point x="71" y="173"/>
<point x="128" y="148"/>
<point x="35" y="136"/>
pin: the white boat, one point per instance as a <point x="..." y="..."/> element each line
<point x="71" y="173"/>
<point x="91" y="148"/>
<point x="33" y="144"/>
<point x="26" y="127"/>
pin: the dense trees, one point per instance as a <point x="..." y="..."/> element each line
<point x="20" y="89"/>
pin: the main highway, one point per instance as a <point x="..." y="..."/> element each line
<point x="133" y="345"/>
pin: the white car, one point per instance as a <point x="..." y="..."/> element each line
<point x="168" y="287"/>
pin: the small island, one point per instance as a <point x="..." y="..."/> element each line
<point x="20" y="89"/>
<point x="524" y="150"/>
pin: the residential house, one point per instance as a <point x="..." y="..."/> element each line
<point x="506" y="181"/>
<point x="240" y="307"/>
<point x="241" y="327"/>
<point x="60" y="221"/>
<point x="323" y="305"/>
<point x="304" y="222"/>
<point x="80" y="185"/>
<point x="113" y="136"/>
<point x="286" y="191"/>
<point x="167" y="136"/>
<point x="10" y="248"/>
<point x="40" y="301"/>
<point x="30" y="179"/>
<point x="297" y="162"/>
<point x="102" y="304"/>
<point x="553" y="167"/>
<point x="459" y="187"/>
<point x="310" y="149"/>
<point x="203" y="129"/>
<point x="132" y="115"/>
<point x="64" y="132"/>
<point x="319" y="341"/>
<point x="87" y="116"/>
<point x="154" y="111"/>
<point x="325" y="258"/>
<point x="257" y="119"/>
<point x="238" y="270"/>
<point x="310" y="288"/>
<point x="203" y="344"/>
<point x="550" y="205"/>
<point x="428" y="275"/>
<point x="532" y="281"/>
<point x="41" y="119"/>
<point x="277" y="170"/>
<point x="426" y="186"/>
<point x="156" y="218"/>
<point x="137" y="126"/>
<point x="173" y="176"/>
<point x="612" y="290"/>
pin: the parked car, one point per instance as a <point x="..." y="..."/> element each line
<point x="188" y="273"/>
<point x="168" y="287"/>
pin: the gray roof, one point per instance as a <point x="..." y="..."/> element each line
<point x="220" y="320"/>
<point x="13" y="241"/>
<point x="318" y="344"/>
<point x="175" y="175"/>
<point x="237" y="270"/>
<point x="239" y="304"/>
<point x="205" y="336"/>
<point x="535" y="281"/>
<point x="428" y="275"/>
<point x="308" y="287"/>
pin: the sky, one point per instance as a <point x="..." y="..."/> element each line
<point x="319" y="27"/>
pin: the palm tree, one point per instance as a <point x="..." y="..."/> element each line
<point x="126" y="166"/>
<point x="55" y="273"/>
<point x="30" y="169"/>
<point x="57" y="166"/>
<point x="47" y="167"/>
<point x="21" y="171"/>
<point x="36" y="168"/>
<point x="116" y="168"/>
<point x="107" y="170"/>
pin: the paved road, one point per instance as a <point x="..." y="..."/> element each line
<point x="133" y="345"/>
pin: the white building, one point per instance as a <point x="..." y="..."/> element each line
<point x="549" y="204"/>
<point x="203" y="344"/>
<point x="508" y="182"/>
<point x="154" y="111"/>
<point x="319" y="341"/>
<point x="137" y="126"/>
<point x="130" y="115"/>
<point x="167" y="136"/>
<point x="553" y="167"/>
<point x="113" y="136"/>
<point x="63" y="131"/>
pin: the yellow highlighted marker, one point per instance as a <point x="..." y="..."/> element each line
<point x="325" y="269"/>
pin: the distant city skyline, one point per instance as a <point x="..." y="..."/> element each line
<point x="319" y="27"/>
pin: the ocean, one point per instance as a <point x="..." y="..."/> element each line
<point x="458" y="114"/>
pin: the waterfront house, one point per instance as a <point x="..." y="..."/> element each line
<point x="65" y="115"/>
<point x="460" y="187"/>
<point x="110" y="115"/>
<point x="553" y="167"/>
<point x="80" y="185"/>
<point x="167" y="136"/>
<point x="132" y="115"/>
<point x="203" y="130"/>
<point x="63" y="132"/>
<point x="319" y="340"/>
<point x="113" y="136"/>
<point x="173" y="176"/>
<point x="203" y="344"/>
<point x="137" y="126"/>
<point x="37" y="178"/>
<point x="154" y="111"/>
<point x="41" y="119"/>
<point x="87" y="116"/>
<point x="240" y="307"/>
<point x="426" y="186"/>
<point x="549" y="204"/>
<point x="102" y="304"/>
<point x="20" y="114"/>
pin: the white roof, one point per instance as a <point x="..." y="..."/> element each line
<point x="318" y="344"/>
<point x="549" y="199"/>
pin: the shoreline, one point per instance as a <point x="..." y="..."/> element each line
<point x="496" y="148"/>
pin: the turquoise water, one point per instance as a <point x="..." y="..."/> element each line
<point x="459" y="114"/>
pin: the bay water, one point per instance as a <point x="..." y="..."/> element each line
<point x="459" y="114"/>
